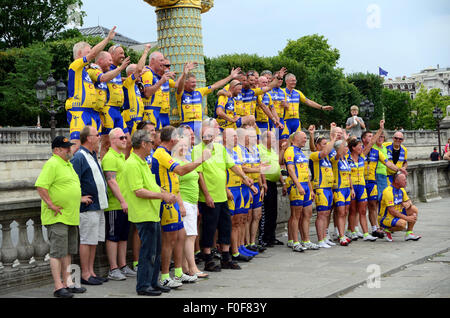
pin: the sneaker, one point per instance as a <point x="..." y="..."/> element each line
<point x="184" y="279"/>
<point x="135" y="268"/>
<point x="412" y="237"/>
<point x="242" y="252"/>
<point x="360" y="235"/>
<point x="116" y="274"/>
<point x="324" y="245"/>
<point x="241" y="258"/>
<point x="354" y="236"/>
<point x="247" y="251"/>
<point x="348" y="233"/>
<point x="369" y="237"/>
<point x="290" y="244"/>
<point x="349" y="240"/>
<point x="343" y="241"/>
<point x="335" y="235"/>
<point x="298" y="248"/>
<point x="329" y="242"/>
<point x="378" y="234"/>
<point x="310" y="246"/>
<point x="229" y="265"/>
<point x="388" y="236"/>
<point x="169" y="282"/>
<point x="128" y="272"/>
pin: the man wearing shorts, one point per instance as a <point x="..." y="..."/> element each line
<point x="59" y="188"/>
<point x="166" y="171"/>
<point x="93" y="189"/>
<point x="116" y="215"/>
<point x="82" y="97"/>
<point x="300" y="193"/>
<point x="397" y="213"/>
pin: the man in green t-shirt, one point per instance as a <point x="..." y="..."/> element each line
<point x="59" y="188"/>
<point x="116" y="215"/>
<point x="213" y="205"/>
<point x="143" y="197"/>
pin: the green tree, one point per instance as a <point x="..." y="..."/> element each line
<point x="312" y="50"/>
<point x="423" y="105"/>
<point x="26" y="21"/>
<point x="397" y="109"/>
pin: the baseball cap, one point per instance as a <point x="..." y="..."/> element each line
<point x="61" y="142"/>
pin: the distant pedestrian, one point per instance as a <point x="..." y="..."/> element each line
<point x="355" y="125"/>
<point x="93" y="202"/>
<point x="59" y="188"/>
<point x="434" y="156"/>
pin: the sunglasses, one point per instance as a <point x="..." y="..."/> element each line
<point x="397" y="138"/>
<point x="124" y="137"/>
<point x="167" y="65"/>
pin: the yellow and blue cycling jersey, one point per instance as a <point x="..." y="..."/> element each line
<point x="165" y="95"/>
<point x="357" y="176"/>
<point x="252" y="159"/>
<point x="132" y="107"/>
<point x="162" y="167"/>
<point x="295" y="156"/>
<point x="190" y="104"/>
<point x="322" y="171"/>
<point x="249" y="97"/>
<point x="152" y="104"/>
<point x="341" y="172"/>
<point x="234" y="180"/>
<point x="357" y="170"/>
<point x="293" y="99"/>
<point x="278" y="96"/>
<point x="228" y="106"/>
<point x="80" y="88"/>
<point x="374" y="158"/>
<point x="402" y="158"/>
<point x="115" y="95"/>
<point x="238" y="104"/>
<point x="392" y="197"/>
<point x="101" y="88"/>
<point x="260" y="115"/>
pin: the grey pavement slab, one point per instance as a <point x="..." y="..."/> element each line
<point x="336" y="272"/>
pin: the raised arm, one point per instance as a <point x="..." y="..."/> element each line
<point x="189" y="66"/>
<point x="141" y="63"/>
<point x="106" y="77"/>
<point x="100" y="46"/>
<point x="234" y="73"/>
<point x="374" y="138"/>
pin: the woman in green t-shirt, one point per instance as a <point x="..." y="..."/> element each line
<point x="189" y="191"/>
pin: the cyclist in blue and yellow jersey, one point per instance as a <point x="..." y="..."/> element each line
<point x="323" y="180"/>
<point x="342" y="188"/>
<point x="190" y="99"/>
<point x="108" y="83"/>
<point x="166" y="171"/>
<point x="153" y="79"/>
<point x="397" y="213"/>
<point x="300" y="191"/>
<point x="133" y="106"/>
<point x="397" y="153"/>
<point x="252" y="167"/>
<point x="225" y="111"/>
<point x="235" y="197"/>
<point x="292" y="113"/>
<point x="357" y="160"/>
<point x="82" y="97"/>
<point x="375" y="160"/>
<point x="264" y="117"/>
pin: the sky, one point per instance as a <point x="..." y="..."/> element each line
<point x="402" y="36"/>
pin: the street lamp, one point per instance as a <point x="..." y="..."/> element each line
<point x="437" y="114"/>
<point x="50" y="88"/>
<point x="366" y="108"/>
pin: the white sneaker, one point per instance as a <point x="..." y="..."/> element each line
<point x="324" y="245"/>
<point x="310" y="246"/>
<point x="298" y="248"/>
<point x="169" y="282"/>
<point x="360" y="235"/>
<point x="290" y="244"/>
<point x="354" y="236"/>
<point x="128" y="272"/>
<point x="186" y="278"/>
<point x="116" y="274"/>
<point x="329" y="242"/>
<point x="412" y="237"/>
<point x="348" y="233"/>
<point x="369" y="238"/>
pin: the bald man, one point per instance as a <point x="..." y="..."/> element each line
<point x="397" y="153"/>
<point x="397" y="213"/>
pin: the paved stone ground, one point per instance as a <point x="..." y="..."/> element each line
<point x="408" y="269"/>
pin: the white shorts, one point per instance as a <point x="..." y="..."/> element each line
<point x="190" y="220"/>
<point x="92" y="227"/>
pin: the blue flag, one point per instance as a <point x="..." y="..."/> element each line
<point x="382" y="72"/>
